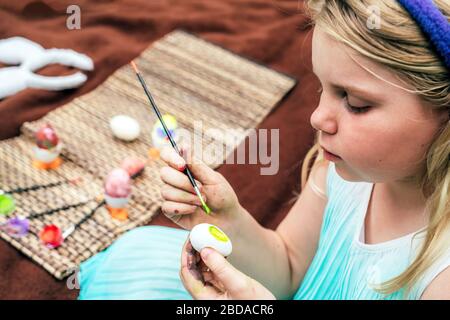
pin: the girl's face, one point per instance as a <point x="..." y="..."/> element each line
<point x="380" y="131"/>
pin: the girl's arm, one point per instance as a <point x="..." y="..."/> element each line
<point x="279" y="259"/>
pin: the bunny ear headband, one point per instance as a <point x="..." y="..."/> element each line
<point x="433" y="23"/>
<point x="30" y="56"/>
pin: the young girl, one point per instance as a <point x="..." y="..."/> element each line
<point x="373" y="220"/>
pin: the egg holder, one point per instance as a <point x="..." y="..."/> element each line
<point x="47" y="159"/>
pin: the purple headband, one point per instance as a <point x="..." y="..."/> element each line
<point x="433" y="23"/>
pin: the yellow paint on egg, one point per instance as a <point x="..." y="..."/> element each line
<point x="219" y="235"/>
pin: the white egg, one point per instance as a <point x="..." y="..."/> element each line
<point x="125" y="127"/>
<point x="207" y="235"/>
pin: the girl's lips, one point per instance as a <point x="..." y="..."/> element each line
<point x="330" y="156"/>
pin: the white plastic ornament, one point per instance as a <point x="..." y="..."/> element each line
<point x="30" y="57"/>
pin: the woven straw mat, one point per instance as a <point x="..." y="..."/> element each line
<point x="190" y="79"/>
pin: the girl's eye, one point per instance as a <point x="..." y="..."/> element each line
<point x="354" y="109"/>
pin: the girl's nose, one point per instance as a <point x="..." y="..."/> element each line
<point x="324" y="118"/>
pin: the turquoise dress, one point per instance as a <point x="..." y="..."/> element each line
<point x="145" y="262"/>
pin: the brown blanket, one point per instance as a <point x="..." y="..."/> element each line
<point x="272" y="32"/>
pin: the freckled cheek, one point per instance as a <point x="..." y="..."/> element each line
<point x="408" y="148"/>
<point x="361" y="147"/>
<point x="389" y="152"/>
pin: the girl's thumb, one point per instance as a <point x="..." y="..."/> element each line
<point x="232" y="279"/>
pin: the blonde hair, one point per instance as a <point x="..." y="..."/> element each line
<point x="400" y="45"/>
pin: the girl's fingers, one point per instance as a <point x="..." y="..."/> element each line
<point x="202" y="266"/>
<point x="171" y="208"/>
<point x="177" y="179"/>
<point x="170" y="193"/>
<point x="198" y="168"/>
<point x="192" y="278"/>
<point x="172" y="158"/>
<point x="209" y="277"/>
<point x="235" y="282"/>
<point x="196" y="287"/>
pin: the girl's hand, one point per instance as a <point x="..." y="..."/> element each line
<point x="182" y="205"/>
<point x="210" y="276"/>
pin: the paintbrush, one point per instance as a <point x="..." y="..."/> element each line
<point x="75" y="181"/>
<point x="169" y="135"/>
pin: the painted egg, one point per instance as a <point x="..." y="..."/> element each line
<point x="134" y="166"/>
<point x="118" y="184"/>
<point x="17" y="227"/>
<point x="207" y="235"/>
<point x="159" y="136"/>
<point x="125" y="127"/>
<point x="51" y="236"/>
<point x="7" y="204"/>
<point x="46" y="137"/>
<point x="171" y="124"/>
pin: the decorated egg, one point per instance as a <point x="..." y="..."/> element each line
<point x="159" y="136"/>
<point x="118" y="184"/>
<point x="124" y="127"/>
<point x="51" y="236"/>
<point x="134" y="166"/>
<point x="16" y="227"/>
<point x="207" y="235"/>
<point x="46" y="137"/>
<point x="7" y="204"/>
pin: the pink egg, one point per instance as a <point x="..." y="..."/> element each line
<point x="133" y="166"/>
<point x="46" y="137"/>
<point x="118" y="184"/>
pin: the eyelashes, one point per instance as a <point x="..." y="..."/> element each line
<point x="350" y="108"/>
<point x="354" y="109"/>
